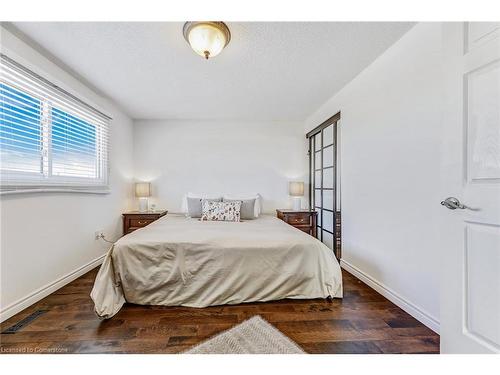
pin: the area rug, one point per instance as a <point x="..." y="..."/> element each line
<point x="253" y="336"/>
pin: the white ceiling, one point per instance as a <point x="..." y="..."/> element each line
<point x="269" y="71"/>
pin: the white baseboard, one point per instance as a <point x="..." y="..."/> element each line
<point x="44" y="291"/>
<point x="392" y="296"/>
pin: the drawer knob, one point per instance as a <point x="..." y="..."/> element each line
<point x="142" y="222"/>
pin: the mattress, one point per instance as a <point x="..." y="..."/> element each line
<point x="179" y="261"/>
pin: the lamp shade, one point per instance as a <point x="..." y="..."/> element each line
<point x="296" y="188"/>
<point x="142" y="189"/>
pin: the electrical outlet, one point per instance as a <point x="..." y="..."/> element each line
<point x="99" y="234"/>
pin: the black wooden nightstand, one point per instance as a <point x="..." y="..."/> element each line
<point x="135" y="219"/>
<point x="305" y="220"/>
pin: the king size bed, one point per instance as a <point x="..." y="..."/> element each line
<point x="182" y="261"/>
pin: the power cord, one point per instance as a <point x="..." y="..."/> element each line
<point x="102" y="237"/>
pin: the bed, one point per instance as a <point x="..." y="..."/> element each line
<point x="180" y="261"/>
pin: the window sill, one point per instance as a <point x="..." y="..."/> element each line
<point x="53" y="190"/>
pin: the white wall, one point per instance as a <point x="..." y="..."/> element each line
<point x="219" y="157"/>
<point x="48" y="236"/>
<point x="390" y="144"/>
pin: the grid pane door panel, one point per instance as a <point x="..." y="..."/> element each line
<point x="323" y="160"/>
<point x="328" y="156"/>
<point x="328" y="200"/>
<point x="328" y="179"/>
<point x="328" y="221"/>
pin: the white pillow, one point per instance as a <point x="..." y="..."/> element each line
<point x="257" y="197"/>
<point x="184" y="205"/>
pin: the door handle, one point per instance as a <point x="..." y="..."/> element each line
<point x="453" y="203"/>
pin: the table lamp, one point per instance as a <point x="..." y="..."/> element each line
<point x="143" y="192"/>
<point x="296" y="190"/>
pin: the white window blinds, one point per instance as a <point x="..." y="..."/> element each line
<point x="49" y="139"/>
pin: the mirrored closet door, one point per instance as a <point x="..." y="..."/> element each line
<point x="323" y="182"/>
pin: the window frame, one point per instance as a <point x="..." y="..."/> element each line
<point x="44" y="180"/>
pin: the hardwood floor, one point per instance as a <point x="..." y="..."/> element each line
<point x="363" y="322"/>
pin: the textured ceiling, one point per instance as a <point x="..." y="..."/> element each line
<point x="269" y="71"/>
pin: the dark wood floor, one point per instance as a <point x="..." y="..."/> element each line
<point x="363" y="322"/>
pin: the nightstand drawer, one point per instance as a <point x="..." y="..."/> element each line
<point x="298" y="219"/>
<point x="301" y="220"/>
<point x="304" y="229"/>
<point x="138" y="222"/>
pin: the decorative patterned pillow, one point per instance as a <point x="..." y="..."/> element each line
<point x="194" y="206"/>
<point x="221" y="211"/>
<point x="247" y="211"/>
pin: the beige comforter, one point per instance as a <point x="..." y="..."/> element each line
<point x="181" y="261"/>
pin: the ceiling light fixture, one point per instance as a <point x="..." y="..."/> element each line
<point x="207" y="38"/>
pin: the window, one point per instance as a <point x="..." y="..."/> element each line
<point x="49" y="139"/>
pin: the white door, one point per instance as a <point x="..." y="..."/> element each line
<point x="470" y="292"/>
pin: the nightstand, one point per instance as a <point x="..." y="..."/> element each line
<point x="134" y="219"/>
<point x="305" y="220"/>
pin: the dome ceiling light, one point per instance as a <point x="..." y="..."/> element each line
<point x="207" y="38"/>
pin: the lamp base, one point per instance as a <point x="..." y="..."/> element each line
<point x="297" y="203"/>
<point x="143" y="204"/>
